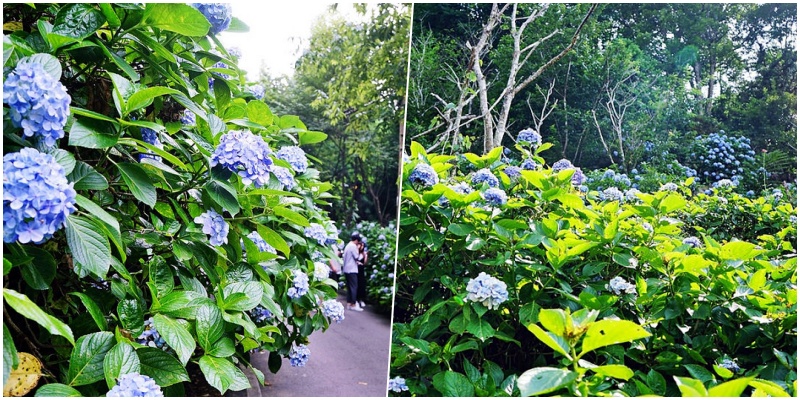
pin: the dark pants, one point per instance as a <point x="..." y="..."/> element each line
<point x="361" y="295"/>
<point x="352" y="287"/>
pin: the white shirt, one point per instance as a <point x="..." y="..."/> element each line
<point x="350" y="258"/>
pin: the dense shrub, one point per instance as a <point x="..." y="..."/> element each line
<point x="154" y="211"/>
<point x="563" y="292"/>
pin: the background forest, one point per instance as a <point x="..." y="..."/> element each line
<point x="616" y="85"/>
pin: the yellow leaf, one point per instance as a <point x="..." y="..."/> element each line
<point x="25" y="377"/>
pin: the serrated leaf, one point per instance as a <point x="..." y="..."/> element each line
<point x="92" y="134"/>
<point x="453" y="384"/>
<point x="481" y="329"/>
<point x="120" y="360"/>
<point x="93" y="309"/>
<point x="28" y="309"/>
<point x="144" y="97"/>
<point x="86" y="360"/>
<point x="57" y="390"/>
<point x="607" y="332"/>
<point x="88" y="246"/>
<point x="552" y="340"/>
<point x="138" y="182"/>
<point x="543" y="380"/>
<point x="224" y="195"/>
<point x="161" y="276"/>
<point x="251" y="291"/>
<point x="77" y="21"/>
<point x="222" y="374"/>
<point x="165" y="369"/>
<point x="176" y="335"/>
<point x="209" y="325"/>
<point x="178" y="18"/>
<point x="131" y="315"/>
<point x="85" y="177"/>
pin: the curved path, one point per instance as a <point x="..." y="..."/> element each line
<point x="350" y="359"/>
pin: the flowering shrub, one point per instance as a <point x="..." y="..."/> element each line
<point x="149" y="228"/>
<point x="560" y="291"/>
<point x="719" y="156"/>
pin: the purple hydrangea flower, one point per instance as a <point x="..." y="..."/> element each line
<point x="295" y="156"/>
<point x="38" y="102"/>
<point x="612" y="194"/>
<point x="562" y="164"/>
<point x="284" y="176"/>
<point x="135" y="385"/>
<point x="618" y="285"/>
<point x="300" y="285"/>
<point x="397" y="384"/>
<point x="529" y="165"/>
<point x="150" y="337"/>
<point x="188" y="118"/>
<point x="333" y="310"/>
<point x="257" y="91"/>
<point x="37" y="198"/>
<point x="260" y="243"/>
<point x="487" y="290"/>
<point x="578" y="178"/>
<point x="693" y="241"/>
<point x="530" y="136"/>
<point x="298" y="355"/>
<point x="214" y="226"/>
<point x="495" y="196"/>
<point x="317" y="232"/>
<point x="235" y="52"/>
<point x="485" y="176"/>
<point x="513" y="172"/>
<point x="730" y="365"/>
<point x="218" y="14"/>
<point x="246" y="154"/>
<point x="260" y="314"/>
<point x="150" y="136"/>
<point x="424" y="174"/>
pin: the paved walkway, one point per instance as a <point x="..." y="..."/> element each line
<point x="350" y="359"/>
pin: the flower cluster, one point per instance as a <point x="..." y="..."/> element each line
<point x="218" y="14"/>
<point x="135" y="385"/>
<point x="257" y="91"/>
<point x="485" y="176"/>
<point x="284" y="176"/>
<point x="730" y="365"/>
<point x="246" y="154"/>
<point x="150" y="337"/>
<point x="333" y="310"/>
<point x="299" y="285"/>
<point x="260" y="243"/>
<point x="612" y="194"/>
<point x="495" y="196"/>
<point x="693" y="241"/>
<point x="529" y="165"/>
<point x="668" y="187"/>
<point x="295" y="156"/>
<point x="619" y="285"/>
<point x="321" y="271"/>
<point x="397" y="384"/>
<point x="609" y="178"/>
<point x="37" y="198"/>
<point x="150" y="136"/>
<point x="188" y="118"/>
<point x="317" y="232"/>
<point x="562" y="164"/>
<point x="631" y="194"/>
<point x="214" y="226"/>
<point x="260" y="314"/>
<point x="578" y="178"/>
<point x="298" y="355"/>
<point x="38" y="102"/>
<point x="721" y="156"/>
<point x="725" y="183"/>
<point x="424" y="174"/>
<point x="513" y="172"/>
<point x="487" y="290"/>
<point x="530" y="136"/>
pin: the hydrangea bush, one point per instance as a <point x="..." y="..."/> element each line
<point x="612" y="292"/>
<point x="150" y="229"/>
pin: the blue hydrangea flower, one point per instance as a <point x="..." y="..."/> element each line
<point x="284" y="176"/>
<point x="530" y="136"/>
<point x="245" y="154"/>
<point x="693" y="241"/>
<point x="188" y="118"/>
<point x="295" y="156"/>
<point x="37" y="198"/>
<point x="38" y="102"/>
<point x="257" y="91"/>
<point x="631" y="194"/>
<point x="424" y="174"/>
<point x="135" y="385"/>
<point x="214" y="226"/>
<point x="150" y="337"/>
<point x="529" y="165"/>
<point x="612" y="194"/>
<point x="150" y="136"/>
<point x="513" y="172"/>
<point x="260" y="243"/>
<point x="298" y="355"/>
<point x="730" y="365"/>
<point x="562" y="164"/>
<point x="669" y="187"/>
<point x="494" y="196"/>
<point x="218" y="14"/>
<point x="321" y="271"/>
<point x="487" y="290"/>
<point x="619" y="285"/>
<point x="485" y="176"/>
<point x="316" y="232"/>
<point x="462" y="188"/>
<point x="724" y="183"/>
<point x="300" y="285"/>
<point x="260" y="314"/>
<point x="333" y="310"/>
<point x="397" y="384"/>
<point x="578" y="178"/>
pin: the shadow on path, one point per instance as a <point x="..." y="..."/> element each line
<point x="351" y="359"/>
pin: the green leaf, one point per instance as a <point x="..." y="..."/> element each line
<point x="614" y="371"/>
<point x="223" y="348"/>
<point x="732" y="388"/>
<point x="64" y="159"/>
<point x="49" y="63"/>
<point x="86" y="360"/>
<point x="460" y="229"/>
<point x="78" y="21"/>
<point x="120" y="360"/>
<point x="543" y="380"/>
<point x="656" y="382"/>
<point x="723" y="372"/>
<point x="273" y="239"/>
<point x="179" y="18"/>
<point x="554" y="320"/>
<point x="40" y="271"/>
<point x="85" y="177"/>
<point x="222" y="374"/>
<point x="691" y="387"/>
<point x="252" y="295"/>
<point x="224" y="195"/>
<point x="700" y="373"/>
<point x="98" y="212"/>
<point x="672" y="203"/>
<point x="237" y="26"/>
<point x="209" y="325"/>
<point x="607" y="332"/>
<point x="259" y="113"/>
<point x="131" y="315"/>
<point x="138" y="182"/>
<point x="552" y="340"/>
<point x="161" y="276"/>
<point x="10" y="358"/>
<point x="453" y="384"/>
<point x="769" y="388"/>
<point x="480" y="328"/>
<point x="93" y="309"/>
<point x="311" y="137"/>
<point x="88" y="246"/>
<point x="92" y="134"/>
<point x="57" y="390"/>
<point x="165" y="369"/>
<point x="28" y="309"/>
<point x="176" y="336"/>
<point x="292" y="216"/>
<point x="738" y="251"/>
<point x="144" y="97"/>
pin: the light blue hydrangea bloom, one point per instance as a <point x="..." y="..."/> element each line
<point x="257" y="91"/>
<point x="562" y="164"/>
<point x="245" y="154"/>
<point x="260" y="243"/>
<point x="397" y="384"/>
<point x="487" y="290"/>
<point x="631" y="194"/>
<point x="135" y="385"/>
<point x="424" y="174"/>
<point x="300" y="285"/>
<point x="495" y="196"/>
<point x="284" y="176"/>
<point x="333" y="310"/>
<point x="612" y="194"/>
<point x="214" y="226"/>
<point x="188" y="118"/>
<point x="693" y="241"/>
<point x="530" y="136"/>
<point x="619" y="285"/>
<point x="235" y="52"/>
<point x="578" y="178"/>
<point x="218" y="14"/>
<point x="730" y="365"/>
<point x="37" y="198"/>
<point x="513" y="172"/>
<point x="298" y="355"/>
<point x="317" y="232"/>
<point x="724" y="183"/>
<point x="150" y="337"/>
<point x="38" y="102"/>
<point x="295" y="156"/>
<point x="529" y="165"/>
<point x="150" y="136"/>
<point x="485" y="176"/>
<point x="260" y="314"/>
<point x="669" y="187"/>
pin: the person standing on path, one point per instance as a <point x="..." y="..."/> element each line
<point x="350" y="270"/>
<point x="361" y="296"/>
